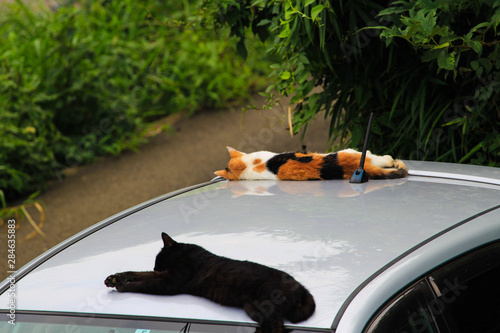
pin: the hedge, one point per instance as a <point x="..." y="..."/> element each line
<point x="84" y="81"/>
<point x="428" y="70"/>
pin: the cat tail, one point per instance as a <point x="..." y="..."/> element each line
<point x="303" y="309"/>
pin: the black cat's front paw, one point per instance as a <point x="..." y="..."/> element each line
<point x="111" y="281"/>
<point x="118" y="281"/>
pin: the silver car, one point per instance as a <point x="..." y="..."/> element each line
<point x="419" y="254"/>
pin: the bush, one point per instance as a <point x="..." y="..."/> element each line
<point x="83" y="81"/>
<point x="428" y="70"/>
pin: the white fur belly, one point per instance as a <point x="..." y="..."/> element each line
<point x="253" y="175"/>
<point x="255" y="166"/>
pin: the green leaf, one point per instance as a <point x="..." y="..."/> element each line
<point x="442" y="46"/>
<point x="289" y="14"/>
<point x="447" y="61"/>
<point x="308" y="27"/>
<point x="471" y="152"/>
<point x="285" y="32"/>
<point x="432" y="54"/>
<point x="392" y="32"/>
<point x="412" y="28"/>
<point x="2" y="200"/>
<point x="495" y="19"/>
<point x="376" y="27"/>
<point x="479" y="26"/>
<point x="263" y="22"/>
<point x="316" y="10"/>
<point x="285" y="75"/>
<point x="475" y="45"/>
<point x="308" y="2"/>
<point x="454" y="121"/>
<point x="392" y="10"/>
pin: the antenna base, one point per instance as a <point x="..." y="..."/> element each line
<point x="359" y="176"/>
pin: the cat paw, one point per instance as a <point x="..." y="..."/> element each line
<point x="401" y="167"/>
<point x="385" y="161"/>
<point x="117" y="281"/>
<point x="111" y="281"/>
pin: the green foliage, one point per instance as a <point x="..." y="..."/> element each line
<point x="429" y="70"/>
<point x="83" y="81"/>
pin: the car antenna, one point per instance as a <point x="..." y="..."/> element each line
<point x="359" y="176"/>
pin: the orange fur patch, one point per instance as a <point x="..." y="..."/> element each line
<point x="260" y="168"/>
<point x="301" y="171"/>
<point x="234" y="153"/>
<point x="221" y="173"/>
<point x="257" y="161"/>
<point x="349" y="161"/>
<point x="236" y="166"/>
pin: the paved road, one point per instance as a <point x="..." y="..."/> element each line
<point x="168" y="162"/>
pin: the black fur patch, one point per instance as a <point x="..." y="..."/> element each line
<point x="331" y="168"/>
<point x="303" y="159"/>
<point x="275" y="162"/>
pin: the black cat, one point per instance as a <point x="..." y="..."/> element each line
<point x="266" y="294"/>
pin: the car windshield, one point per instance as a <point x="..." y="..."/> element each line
<point x="42" y="323"/>
<point x="86" y="323"/>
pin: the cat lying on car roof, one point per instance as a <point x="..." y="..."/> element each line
<point x="309" y="166"/>
<point x="182" y="268"/>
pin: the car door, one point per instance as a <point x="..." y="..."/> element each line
<point x="461" y="296"/>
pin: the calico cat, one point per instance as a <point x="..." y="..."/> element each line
<point x="266" y="294"/>
<point x="309" y="166"/>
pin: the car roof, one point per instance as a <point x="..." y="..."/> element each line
<point x="332" y="236"/>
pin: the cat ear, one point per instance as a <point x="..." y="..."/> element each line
<point x="167" y="240"/>
<point x="234" y="153"/>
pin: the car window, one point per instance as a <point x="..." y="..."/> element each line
<point x="408" y="313"/>
<point x="468" y="291"/>
<point x="459" y="297"/>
